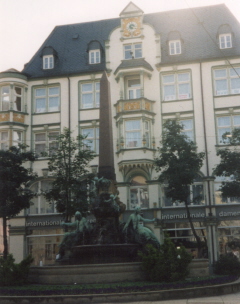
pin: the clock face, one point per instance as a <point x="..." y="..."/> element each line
<point x="131" y="26"/>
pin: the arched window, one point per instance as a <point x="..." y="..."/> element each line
<point x="139" y="192"/>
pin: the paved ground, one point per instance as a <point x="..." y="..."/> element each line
<point x="227" y="299"/>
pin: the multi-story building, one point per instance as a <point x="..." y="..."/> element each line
<point x="182" y="65"/>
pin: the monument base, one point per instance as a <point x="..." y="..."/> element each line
<point x="102" y="254"/>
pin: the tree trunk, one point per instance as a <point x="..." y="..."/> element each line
<point x="5" y="241"/>
<point x="193" y="230"/>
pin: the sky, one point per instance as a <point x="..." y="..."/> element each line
<point x="25" y="24"/>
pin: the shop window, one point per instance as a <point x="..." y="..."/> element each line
<point x="43" y="245"/>
<point x="39" y="203"/>
<point x="46" y="99"/>
<point x="229" y="237"/>
<point x="17" y="98"/>
<point x="48" y="62"/>
<point x="176" y="86"/>
<point x="45" y="142"/>
<point x="94" y="56"/>
<point x="218" y="194"/>
<point x="132" y="51"/>
<point x="181" y="235"/>
<point x="4" y="140"/>
<point x="139" y="193"/>
<point x="90" y="95"/>
<point x="175" y="47"/>
<point x="225" y="41"/>
<point x="92" y="139"/>
<point x="227" y="81"/>
<point x="226" y="124"/>
<point x="196" y="196"/>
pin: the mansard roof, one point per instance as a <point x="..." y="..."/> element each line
<point x="198" y="28"/>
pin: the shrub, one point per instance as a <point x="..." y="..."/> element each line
<point x="227" y="265"/>
<point x="12" y="273"/>
<point x="167" y="264"/>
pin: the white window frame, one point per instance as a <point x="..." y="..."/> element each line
<point x="189" y="131"/>
<point x="132" y="51"/>
<point x="44" y="95"/>
<point x="4" y="142"/>
<point x="227" y="127"/>
<point x="12" y="98"/>
<point x="134" y="137"/>
<point x="19" y="140"/>
<point x="48" y="62"/>
<point x="225" y="41"/>
<point x="230" y="80"/>
<point x="139" y="194"/>
<point x="176" y="83"/>
<point x="91" y="142"/>
<point x="48" y="141"/>
<point x="134" y="90"/>
<point x="94" y="56"/>
<point x="175" y="47"/>
<point x="91" y="89"/>
<point x="40" y="208"/>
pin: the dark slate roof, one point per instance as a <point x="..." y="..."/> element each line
<point x="197" y="27"/>
<point x="70" y="42"/>
<point x="133" y="63"/>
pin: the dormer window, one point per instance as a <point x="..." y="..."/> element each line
<point x="175" y="47"/>
<point x="225" y="41"/>
<point x="132" y="51"/>
<point x="94" y="56"/>
<point x="48" y="62"/>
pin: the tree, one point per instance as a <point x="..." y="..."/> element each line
<point x="178" y="163"/>
<point x="68" y="164"/>
<point x="14" y="179"/>
<point x="229" y="165"/>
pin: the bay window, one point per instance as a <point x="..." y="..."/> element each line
<point x="11" y="98"/>
<point x="227" y="81"/>
<point x="137" y="133"/>
<point x="17" y="138"/>
<point x="134" y="89"/>
<point x="176" y="86"/>
<point x="47" y="99"/>
<point x="90" y="95"/>
<point x="4" y="140"/>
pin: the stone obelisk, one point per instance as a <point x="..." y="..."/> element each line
<point x="106" y="156"/>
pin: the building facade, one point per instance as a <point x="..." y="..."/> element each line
<point x="181" y="65"/>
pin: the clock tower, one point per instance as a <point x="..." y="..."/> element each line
<point x="131" y="21"/>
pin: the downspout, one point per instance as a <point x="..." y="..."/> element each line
<point x="207" y="161"/>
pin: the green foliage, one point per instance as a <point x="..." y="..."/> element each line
<point x="68" y="164"/>
<point x="178" y="161"/>
<point x="227" y="265"/>
<point x="12" y="273"/>
<point x="167" y="264"/>
<point x="14" y="178"/>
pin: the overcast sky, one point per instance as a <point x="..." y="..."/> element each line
<point x="25" y="24"/>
